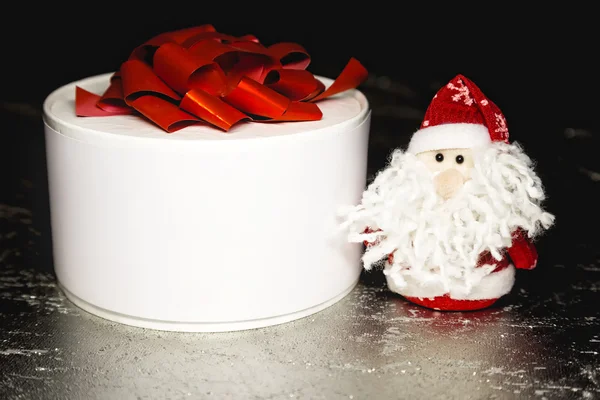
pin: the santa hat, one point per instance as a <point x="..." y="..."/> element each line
<point x="459" y="116"/>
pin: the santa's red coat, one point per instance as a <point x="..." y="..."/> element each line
<point x="522" y="254"/>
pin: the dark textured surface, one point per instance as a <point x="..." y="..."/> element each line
<point x="541" y="341"/>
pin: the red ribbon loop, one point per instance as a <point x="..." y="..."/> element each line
<point x="200" y="75"/>
<point x="139" y="79"/>
<point x="296" y="84"/>
<point x="290" y="55"/>
<point x="113" y="100"/>
<point x="182" y="70"/>
<point x="211" y="109"/>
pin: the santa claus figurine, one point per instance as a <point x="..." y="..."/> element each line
<point x="458" y="211"/>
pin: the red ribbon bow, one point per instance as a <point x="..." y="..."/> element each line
<point x="198" y="74"/>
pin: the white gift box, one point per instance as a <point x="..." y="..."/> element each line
<point x="202" y="230"/>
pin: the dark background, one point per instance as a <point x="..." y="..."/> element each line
<point x="538" y="65"/>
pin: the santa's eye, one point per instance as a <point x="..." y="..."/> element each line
<point x="459" y="159"/>
<point x="439" y="157"/>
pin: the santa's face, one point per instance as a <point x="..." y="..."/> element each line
<point x="450" y="168"/>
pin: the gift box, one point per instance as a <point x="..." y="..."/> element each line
<point x="196" y="188"/>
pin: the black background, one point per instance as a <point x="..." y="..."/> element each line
<point x="536" y="64"/>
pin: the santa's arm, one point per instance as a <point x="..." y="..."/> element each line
<point x="522" y="251"/>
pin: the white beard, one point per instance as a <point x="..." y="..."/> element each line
<point x="439" y="242"/>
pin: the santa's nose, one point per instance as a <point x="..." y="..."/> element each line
<point x="448" y="182"/>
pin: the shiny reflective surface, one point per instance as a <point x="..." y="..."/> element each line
<point x="541" y="341"/>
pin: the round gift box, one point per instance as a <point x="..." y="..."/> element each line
<point x="202" y="230"/>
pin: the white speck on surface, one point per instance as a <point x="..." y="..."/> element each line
<point x="23" y="352"/>
<point x="15" y="213"/>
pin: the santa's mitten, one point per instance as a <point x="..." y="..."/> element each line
<point x="522" y="251"/>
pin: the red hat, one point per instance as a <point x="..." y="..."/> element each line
<point x="459" y="116"/>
